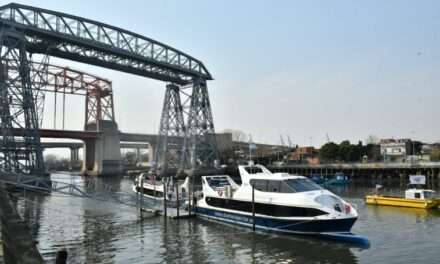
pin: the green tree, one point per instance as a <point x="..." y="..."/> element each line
<point x="345" y="150"/>
<point x="435" y="154"/>
<point x="329" y="152"/>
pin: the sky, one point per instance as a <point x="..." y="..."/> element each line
<point x="307" y="69"/>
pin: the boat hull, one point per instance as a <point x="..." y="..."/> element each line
<point x="402" y="202"/>
<point x="313" y="226"/>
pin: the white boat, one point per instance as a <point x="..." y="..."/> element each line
<point x="153" y="188"/>
<point x="282" y="203"/>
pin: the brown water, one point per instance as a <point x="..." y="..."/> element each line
<point x="96" y="232"/>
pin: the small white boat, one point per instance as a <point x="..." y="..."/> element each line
<point x="282" y="203"/>
<point x="152" y="187"/>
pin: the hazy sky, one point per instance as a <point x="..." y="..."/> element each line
<point x="303" y="68"/>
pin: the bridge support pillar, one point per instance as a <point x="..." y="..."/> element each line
<point x="102" y="156"/>
<point x="151" y="153"/>
<point x="138" y="155"/>
<point x="74" y="157"/>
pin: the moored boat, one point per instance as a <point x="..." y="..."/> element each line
<point x="338" y="179"/>
<point x="282" y="203"/>
<point x="415" y="196"/>
<point x="153" y="187"/>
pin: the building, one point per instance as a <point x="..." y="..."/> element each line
<point x="395" y="149"/>
<point x="306" y="154"/>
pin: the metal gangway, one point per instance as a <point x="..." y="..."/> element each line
<point x="87" y="190"/>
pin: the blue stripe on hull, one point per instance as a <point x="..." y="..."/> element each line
<point x="287" y="226"/>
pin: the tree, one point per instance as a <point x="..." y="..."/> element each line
<point x="130" y="157"/>
<point x="435" y="154"/>
<point x="372" y="139"/>
<point x="51" y="161"/>
<point x="373" y="152"/>
<point x="417" y="145"/>
<point x="329" y="152"/>
<point x="345" y="150"/>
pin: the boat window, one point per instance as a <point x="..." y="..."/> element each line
<point x="260" y="185"/>
<point x="302" y="185"/>
<point x="265" y="209"/>
<point x="218" y="182"/>
<point x="271" y="186"/>
<point x="428" y="195"/>
<point x="253" y="169"/>
<point x="284" y="188"/>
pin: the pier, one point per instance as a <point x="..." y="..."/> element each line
<point x="372" y="172"/>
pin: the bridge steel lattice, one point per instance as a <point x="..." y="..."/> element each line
<point x="79" y="39"/>
<point x="17" y="107"/>
<point x="48" y="78"/>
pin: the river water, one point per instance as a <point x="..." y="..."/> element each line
<point x="100" y="232"/>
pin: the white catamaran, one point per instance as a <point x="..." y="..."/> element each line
<point x="282" y="203"/>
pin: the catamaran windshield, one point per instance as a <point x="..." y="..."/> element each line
<point x="218" y="182"/>
<point x="253" y="169"/>
<point x="302" y="185"/>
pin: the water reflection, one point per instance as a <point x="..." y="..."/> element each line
<point x="97" y="232"/>
<point x="243" y="246"/>
<point x="418" y="214"/>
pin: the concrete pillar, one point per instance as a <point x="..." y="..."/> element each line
<point x="74" y="157"/>
<point x="151" y="153"/>
<point x="102" y="156"/>
<point x="138" y="156"/>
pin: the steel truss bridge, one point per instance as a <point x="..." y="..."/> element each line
<point x="27" y="30"/>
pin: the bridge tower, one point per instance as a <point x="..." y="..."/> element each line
<point x="102" y="156"/>
<point x="198" y="149"/>
<point x="17" y="107"/>
<point x="200" y="144"/>
<point x="172" y="127"/>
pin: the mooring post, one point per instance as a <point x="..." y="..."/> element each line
<point x="189" y="194"/>
<point x="177" y="199"/>
<point x="154" y="191"/>
<point x="253" y="208"/>
<point x="142" y="192"/>
<point x="164" y="197"/>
